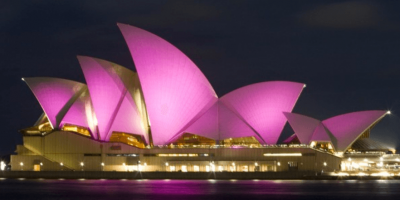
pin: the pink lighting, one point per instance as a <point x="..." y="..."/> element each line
<point x="207" y="124"/>
<point x="55" y="95"/>
<point x="261" y="106"/>
<point x="128" y="119"/>
<point x="174" y="89"/>
<point x="170" y="96"/>
<point x="231" y="126"/>
<point x="341" y="130"/>
<point x="290" y="139"/>
<point x="113" y="104"/>
<point x="348" y="127"/>
<point x="320" y="135"/>
<point x="302" y="125"/>
<point x="81" y="113"/>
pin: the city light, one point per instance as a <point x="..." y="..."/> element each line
<point x="184" y="106"/>
<point x="313" y="143"/>
<point x="282" y="154"/>
<point x="141" y="167"/>
<point x="212" y="167"/>
<point x="382" y="174"/>
<point x="361" y="174"/>
<point x="2" y="165"/>
<point x="342" y="174"/>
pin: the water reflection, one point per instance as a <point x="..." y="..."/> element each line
<point x="198" y="189"/>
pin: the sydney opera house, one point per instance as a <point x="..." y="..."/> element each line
<point x="167" y="117"/>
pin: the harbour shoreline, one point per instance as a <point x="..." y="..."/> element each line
<point x="309" y="175"/>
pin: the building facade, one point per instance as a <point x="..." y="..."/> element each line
<point x="167" y="117"/>
<point x="62" y="150"/>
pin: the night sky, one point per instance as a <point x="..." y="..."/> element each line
<point x="347" y="52"/>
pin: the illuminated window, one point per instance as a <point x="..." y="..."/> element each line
<point x="242" y="141"/>
<point x="2" y="165"/>
<point x="282" y="154"/>
<point x="129" y="139"/>
<point x="76" y="129"/>
<point x="207" y="168"/>
<point x="292" y="164"/>
<point x="196" y="168"/>
<point x="184" y="168"/>
<point x="36" y="168"/>
<point x="172" y="168"/>
<point x="123" y="155"/>
<point x="325" y="146"/>
<point x="181" y="155"/>
<point x="43" y="127"/>
<point x="191" y="139"/>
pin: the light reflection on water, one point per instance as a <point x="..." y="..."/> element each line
<point x="197" y="189"/>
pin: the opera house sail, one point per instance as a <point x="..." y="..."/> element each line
<point x="166" y="116"/>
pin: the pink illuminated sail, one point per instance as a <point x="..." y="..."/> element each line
<point x="321" y="135"/>
<point x="128" y="120"/>
<point x="113" y="104"/>
<point x="81" y="113"/>
<point x="174" y="89"/>
<point x="55" y="95"/>
<point x="290" y="139"/>
<point x="231" y="126"/>
<point x="207" y="124"/>
<point x="348" y="127"/>
<point x="261" y="106"/>
<point x="302" y="125"/>
<point x="170" y="96"/>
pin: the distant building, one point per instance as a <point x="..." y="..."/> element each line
<point x="167" y="117"/>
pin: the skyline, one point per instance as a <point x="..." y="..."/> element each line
<point x="292" y="46"/>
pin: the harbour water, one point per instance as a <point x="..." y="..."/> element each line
<point x="197" y="189"/>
